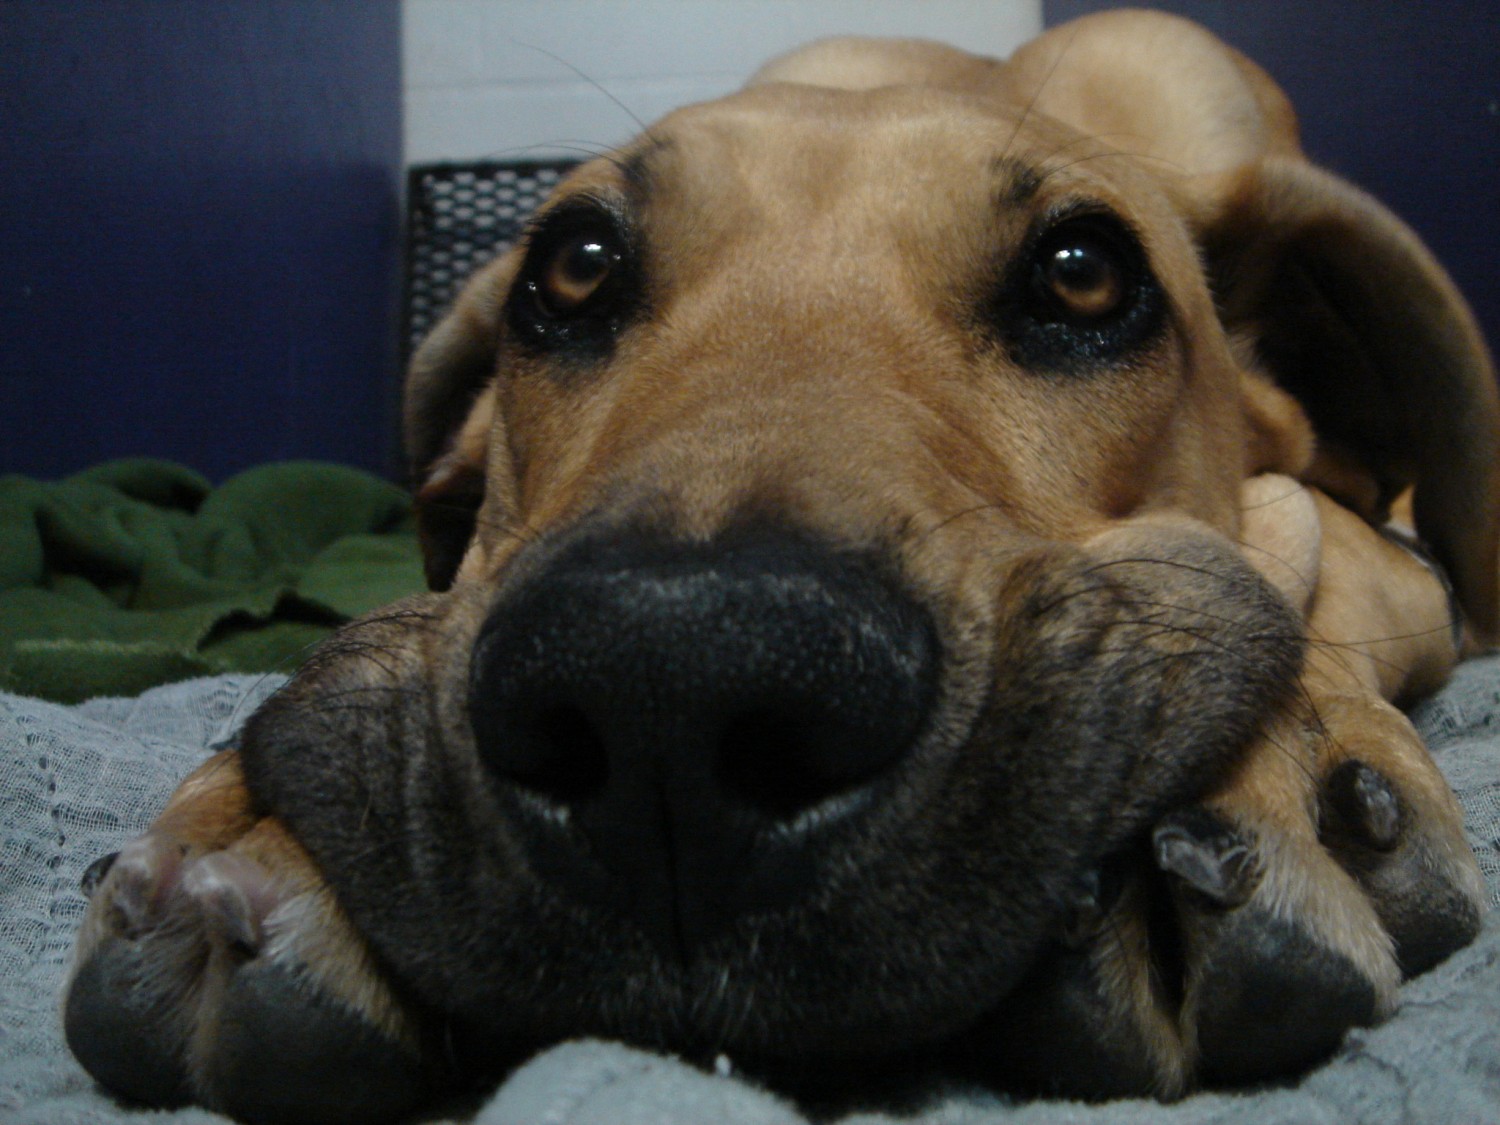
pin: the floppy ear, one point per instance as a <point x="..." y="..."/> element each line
<point x="1343" y="305"/>
<point x="1356" y="319"/>
<point x="449" y="421"/>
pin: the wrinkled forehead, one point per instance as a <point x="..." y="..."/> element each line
<point x="899" y="155"/>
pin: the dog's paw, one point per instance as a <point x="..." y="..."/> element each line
<point x="1256" y="929"/>
<point x="229" y="977"/>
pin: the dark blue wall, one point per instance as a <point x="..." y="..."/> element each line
<point x="199" y="226"/>
<point x="1401" y="98"/>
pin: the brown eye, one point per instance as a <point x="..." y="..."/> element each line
<point x="1084" y="275"/>
<point x="1081" y="297"/>
<point x="575" y="271"/>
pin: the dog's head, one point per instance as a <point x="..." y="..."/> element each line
<point x="833" y="505"/>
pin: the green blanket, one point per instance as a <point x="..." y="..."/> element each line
<point x="139" y="572"/>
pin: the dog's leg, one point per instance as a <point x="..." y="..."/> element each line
<point x="214" y="966"/>
<point x="1287" y="907"/>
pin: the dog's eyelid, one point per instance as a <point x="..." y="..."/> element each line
<point x="576" y="212"/>
<point x="1088" y="211"/>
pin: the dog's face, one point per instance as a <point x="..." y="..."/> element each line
<point x="821" y="632"/>
<point x="833" y="503"/>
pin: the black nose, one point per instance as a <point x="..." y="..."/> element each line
<point x="677" y="729"/>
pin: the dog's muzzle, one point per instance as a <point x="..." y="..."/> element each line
<point x="674" y="727"/>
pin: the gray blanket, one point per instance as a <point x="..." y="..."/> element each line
<point x="77" y="781"/>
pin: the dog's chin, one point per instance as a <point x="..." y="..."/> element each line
<point x="1112" y="687"/>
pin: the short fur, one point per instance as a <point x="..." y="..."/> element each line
<point x="1112" y="796"/>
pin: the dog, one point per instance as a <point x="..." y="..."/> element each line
<point x="913" y="591"/>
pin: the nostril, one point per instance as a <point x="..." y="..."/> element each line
<point x="555" y="750"/>
<point x="782" y="761"/>
<point x="761" y="757"/>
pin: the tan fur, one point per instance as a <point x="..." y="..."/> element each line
<point x="810" y="353"/>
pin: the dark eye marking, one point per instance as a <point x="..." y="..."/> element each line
<point x="1080" y="295"/>
<point x="579" y="283"/>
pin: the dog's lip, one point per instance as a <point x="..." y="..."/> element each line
<point x="707" y="924"/>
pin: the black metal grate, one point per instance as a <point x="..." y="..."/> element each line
<point x="460" y="216"/>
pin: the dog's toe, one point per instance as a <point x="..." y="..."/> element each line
<point x="1271" y="998"/>
<point x="123" y="1028"/>
<point x="1423" y="887"/>
<point x="1280" y="955"/>
<point x="214" y="976"/>
<point x="1267" y="995"/>
<point x="287" y="1051"/>
<point x="127" y="1016"/>
<point x="284" y="1043"/>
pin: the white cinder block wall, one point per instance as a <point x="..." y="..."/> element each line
<point x="521" y="79"/>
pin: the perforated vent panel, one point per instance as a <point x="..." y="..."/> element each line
<point x="460" y="216"/>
